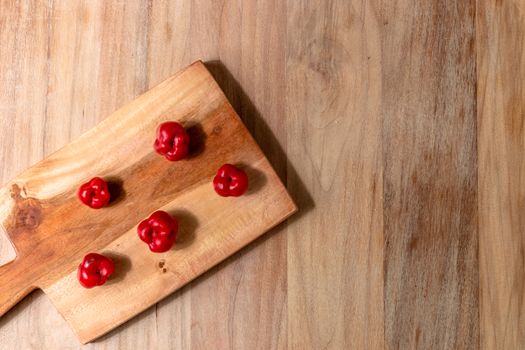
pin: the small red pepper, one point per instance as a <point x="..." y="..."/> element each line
<point x="172" y="141"/>
<point x="95" y="193"/>
<point x="159" y="231"/>
<point x="95" y="270"/>
<point x="230" y="181"/>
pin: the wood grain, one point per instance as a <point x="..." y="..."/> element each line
<point x="501" y="186"/>
<point x="333" y="91"/>
<point x="430" y="170"/>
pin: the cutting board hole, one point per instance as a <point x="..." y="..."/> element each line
<point x="162" y="266"/>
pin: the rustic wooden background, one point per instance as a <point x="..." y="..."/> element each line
<point x="398" y="127"/>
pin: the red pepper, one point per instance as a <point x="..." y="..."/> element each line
<point x="95" y="270"/>
<point x="159" y="231"/>
<point x="172" y="141"/>
<point x="94" y="193"/>
<point x="230" y="181"/>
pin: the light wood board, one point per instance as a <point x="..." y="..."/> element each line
<point x="51" y="230"/>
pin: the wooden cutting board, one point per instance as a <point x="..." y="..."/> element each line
<point x="51" y="230"/>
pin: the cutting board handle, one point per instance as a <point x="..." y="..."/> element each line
<point x="12" y="286"/>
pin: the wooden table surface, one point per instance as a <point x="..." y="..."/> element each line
<point x="397" y="126"/>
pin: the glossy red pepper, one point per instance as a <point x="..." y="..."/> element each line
<point x="159" y="231"/>
<point x="95" y="270"/>
<point x="95" y="193"/>
<point x="230" y="181"/>
<point x="172" y="141"/>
